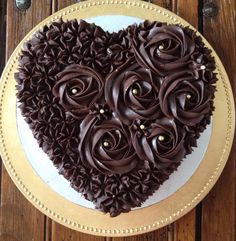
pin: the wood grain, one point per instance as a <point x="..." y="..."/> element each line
<point x="60" y="233"/>
<point x="2" y="50"/>
<point x="159" y="235"/>
<point x="168" y="4"/>
<point x="184" y="228"/>
<point x="218" y="208"/>
<point x="19" y="220"/>
<point x="2" y="34"/>
<point x="189" y="12"/>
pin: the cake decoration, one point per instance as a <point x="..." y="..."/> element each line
<point x="116" y="112"/>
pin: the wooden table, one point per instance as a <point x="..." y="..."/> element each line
<point x="214" y="219"/>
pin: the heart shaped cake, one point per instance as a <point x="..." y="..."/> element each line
<point x="116" y="112"/>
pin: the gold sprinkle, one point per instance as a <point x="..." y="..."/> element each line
<point x="142" y="127"/>
<point x="102" y="111"/>
<point x="161" y="138"/>
<point x="188" y="96"/>
<point x="135" y="91"/>
<point x="203" y="67"/>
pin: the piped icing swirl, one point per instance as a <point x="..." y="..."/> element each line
<point x="162" y="143"/>
<point x="78" y="88"/>
<point x="132" y="93"/>
<point x="106" y="145"/>
<point x="163" y="48"/>
<point x="185" y="97"/>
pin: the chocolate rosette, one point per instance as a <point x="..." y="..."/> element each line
<point x="106" y="146"/>
<point x="78" y="88"/>
<point x="186" y="98"/>
<point x="164" y="146"/>
<point x="132" y="93"/>
<point x="163" y="48"/>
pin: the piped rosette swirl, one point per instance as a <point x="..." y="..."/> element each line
<point x="106" y="145"/>
<point x="132" y="93"/>
<point x="163" y="48"/>
<point x="78" y="88"/>
<point x="185" y="97"/>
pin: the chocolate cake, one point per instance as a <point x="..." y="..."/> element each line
<point x="116" y="112"/>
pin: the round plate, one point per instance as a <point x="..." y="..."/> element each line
<point x="139" y="220"/>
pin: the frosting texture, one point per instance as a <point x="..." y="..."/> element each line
<point x="162" y="143"/>
<point x="163" y="48"/>
<point x="185" y="98"/>
<point x="132" y="93"/>
<point x="78" y="88"/>
<point x="106" y="145"/>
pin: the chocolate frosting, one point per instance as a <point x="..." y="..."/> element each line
<point x="88" y="87"/>
<point x="163" y="48"/>
<point x="117" y="157"/>
<point x="174" y="102"/>
<point x="119" y="50"/>
<point x="115" y="112"/>
<point x="162" y="153"/>
<point x="120" y="96"/>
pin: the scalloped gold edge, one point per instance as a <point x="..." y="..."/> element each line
<point x="118" y="232"/>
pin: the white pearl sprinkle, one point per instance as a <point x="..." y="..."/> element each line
<point x="135" y="91"/>
<point x="105" y="143"/>
<point x="188" y="96"/>
<point x="161" y="138"/>
<point x="161" y="47"/>
<point x="142" y="127"/>
<point x="74" y="91"/>
<point x="102" y="111"/>
<point x="203" y="67"/>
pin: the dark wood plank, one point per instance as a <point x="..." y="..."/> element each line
<point x="218" y="209"/>
<point x="2" y="49"/>
<point x="19" y="23"/>
<point x="61" y="233"/>
<point x="184" y="228"/>
<point x="2" y="34"/>
<point x="168" y="4"/>
<point x="19" y="220"/>
<point x="64" y="3"/>
<point x="188" y="12"/>
<point x="159" y="235"/>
